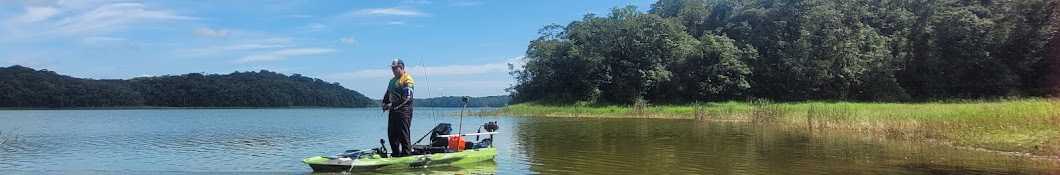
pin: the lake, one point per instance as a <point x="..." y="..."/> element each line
<point x="273" y="141"/>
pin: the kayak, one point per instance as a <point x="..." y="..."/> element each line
<point x="438" y="153"/>
<point x="373" y="162"/>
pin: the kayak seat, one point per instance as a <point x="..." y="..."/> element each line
<point x="441" y="129"/>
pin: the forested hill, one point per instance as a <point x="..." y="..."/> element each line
<point x="683" y="51"/>
<point x="473" y="102"/>
<point x="25" y="87"/>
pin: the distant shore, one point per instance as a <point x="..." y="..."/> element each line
<point x="1029" y="126"/>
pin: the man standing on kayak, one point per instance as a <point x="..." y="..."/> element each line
<point x="398" y="99"/>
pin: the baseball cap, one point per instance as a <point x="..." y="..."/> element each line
<point x="397" y="63"/>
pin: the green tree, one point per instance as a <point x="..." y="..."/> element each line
<point x="633" y="48"/>
<point x="552" y="62"/>
<point x="867" y="50"/>
<point x="715" y="70"/>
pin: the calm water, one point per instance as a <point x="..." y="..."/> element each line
<point x="274" y="140"/>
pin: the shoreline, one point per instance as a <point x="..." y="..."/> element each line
<point x="1018" y="127"/>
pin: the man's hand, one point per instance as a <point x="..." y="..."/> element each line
<point x="386" y="106"/>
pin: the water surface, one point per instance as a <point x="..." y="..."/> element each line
<point x="178" y="141"/>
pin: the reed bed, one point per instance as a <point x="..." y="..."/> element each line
<point x="1025" y="125"/>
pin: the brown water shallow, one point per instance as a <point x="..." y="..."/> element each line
<point x="633" y="146"/>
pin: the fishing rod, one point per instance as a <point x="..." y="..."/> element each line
<point x="427" y="83"/>
<point x="425" y="80"/>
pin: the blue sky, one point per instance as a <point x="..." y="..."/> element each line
<point x="463" y="45"/>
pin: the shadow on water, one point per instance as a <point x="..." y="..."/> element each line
<point x="921" y="168"/>
<point x="627" y="146"/>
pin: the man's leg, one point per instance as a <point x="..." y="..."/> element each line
<point x="393" y="133"/>
<point x="406" y="141"/>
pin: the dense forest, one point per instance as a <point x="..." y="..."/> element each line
<point x="682" y="51"/>
<point x="454" y="102"/>
<point x="25" y="87"/>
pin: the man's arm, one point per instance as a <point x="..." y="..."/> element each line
<point x="386" y="100"/>
<point x="406" y="94"/>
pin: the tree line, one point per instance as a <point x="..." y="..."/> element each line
<point x="455" y="102"/>
<point x="26" y="87"/>
<point x="683" y="51"/>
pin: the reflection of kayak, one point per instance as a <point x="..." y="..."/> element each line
<point x="437" y="153"/>
<point x="486" y="167"/>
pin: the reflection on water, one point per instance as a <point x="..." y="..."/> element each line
<point x="630" y="146"/>
<point x="488" y="167"/>
<point x="190" y="141"/>
<point x="274" y="140"/>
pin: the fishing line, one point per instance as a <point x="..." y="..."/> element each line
<point x="428" y="85"/>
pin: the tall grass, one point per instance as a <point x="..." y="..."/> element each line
<point x="1028" y="125"/>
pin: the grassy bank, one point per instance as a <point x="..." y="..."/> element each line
<point x="1027" y="126"/>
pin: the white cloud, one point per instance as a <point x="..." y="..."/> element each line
<point x="211" y="33"/>
<point x="75" y="19"/>
<point x="276" y="40"/>
<point x="315" y="27"/>
<point x="281" y="54"/>
<point x="253" y="46"/>
<point x="111" y="42"/>
<point x="416" y="2"/>
<point x="65" y="5"/>
<point x="74" y="4"/>
<point x="100" y="39"/>
<point x="483" y="85"/>
<point x="518" y="62"/>
<point x="231" y="48"/>
<point x="465" y="3"/>
<point x="112" y="17"/>
<point x="35" y="14"/>
<point x="432" y="70"/>
<point x="247" y="45"/>
<point x="269" y="68"/>
<point x="394" y="11"/>
<point x="371" y="73"/>
<point x="282" y="69"/>
<point x="348" y="40"/>
<point x="395" y="22"/>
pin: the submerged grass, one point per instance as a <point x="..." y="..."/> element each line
<point x="1027" y="126"/>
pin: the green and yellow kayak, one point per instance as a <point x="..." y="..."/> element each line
<point x="438" y="152"/>
<point x="370" y="160"/>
